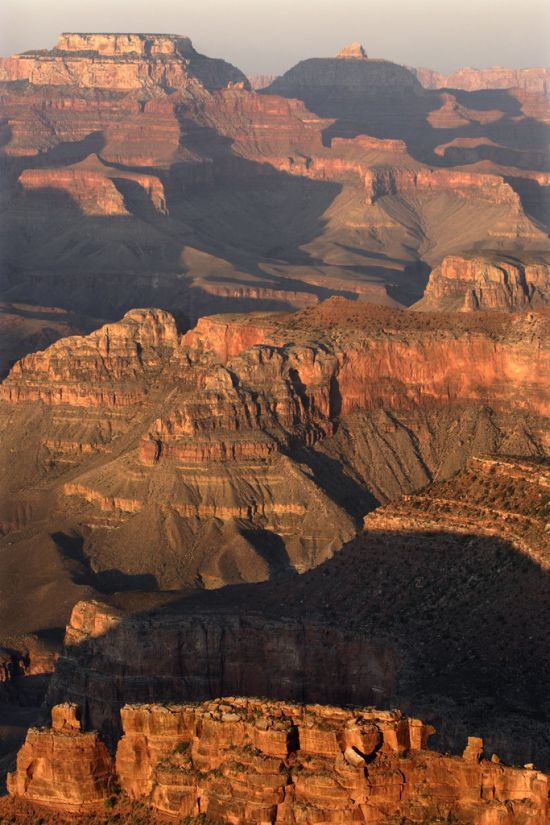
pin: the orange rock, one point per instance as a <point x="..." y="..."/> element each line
<point x="185" y="760"/>
<point x="118" y="61"/>
<point x="66" y="718"/>
<point x="354" y="51"/>
<point x="62" y="767"/>
<point x="476" y="283"/>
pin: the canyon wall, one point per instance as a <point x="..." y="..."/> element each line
<point x="206" y="654"/>
<point x="120" y="61"/>
<point x="238" y="423"/>
<point x="465" y="284"/>
<point x="450" y="577"/>
<point x="247" y="760"/>
<point x="533" y="80"/>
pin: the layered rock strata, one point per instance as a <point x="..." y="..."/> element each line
<point x="246" y="760"/>
<point x="492" y="507"/>
<point x="62" y="767"/>
<point x="466" y="284"/>
<point x="169" y="146"/>
<point x="449" y="580"/>
<point x="120" y="61"/>
<point x="109" y="661"/>
<point x="533" y="80"/>
<point x="238" y="424"/>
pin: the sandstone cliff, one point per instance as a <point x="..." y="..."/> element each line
<point x="252" y="761"/>
<point x="448" y="621"/>
<point x="62" y="767"/>
<point x="465" y="284"/>
<point x="236" y="429"/>
<point x="120" y="61"/>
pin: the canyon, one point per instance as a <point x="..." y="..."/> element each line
<point x="278" y="431"/>
<point x="253" y="453"/>
<point x="274" y="439"/>
<point x="170" y="183"/>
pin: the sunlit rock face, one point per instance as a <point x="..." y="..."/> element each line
<point x="254" y="761"/>
<point x="62" y="767"/>
<point x="120" y="61"/>
<point x="231" y="429"/>
<point x="467" y="284"/>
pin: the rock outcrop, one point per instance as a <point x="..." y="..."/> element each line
<point x="120" y="61"/>
<point x="247" y="760"/>
<point x="62" y="767"/>
<point x="472" y="283"/>
<point x="238" y="423"/>
<point x="533" y="80"/>
<point x="354" y="51"/>
<point x="95" y="188"/>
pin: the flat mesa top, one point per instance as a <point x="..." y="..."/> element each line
<point x="118" y="43"/>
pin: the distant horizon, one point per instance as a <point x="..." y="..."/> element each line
<point x="480" y="35"/>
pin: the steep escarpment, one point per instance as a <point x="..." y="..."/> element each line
<point x="254" y="761"/>
<point x="465" y="284"/>
<point x="449" y="580"/>
<point x="253" y="445"/>
<point x="112" y="657"/>
<point x="120" y="61"/>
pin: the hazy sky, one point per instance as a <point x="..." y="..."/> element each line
<point x="271" y="35"/>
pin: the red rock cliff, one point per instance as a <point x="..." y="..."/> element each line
<point x="62" y="767"/>
<point x="232" y="401"/>
<point x="252" y="761"/>
<point x="120" y="61"/>
<point x="475" y="283"/>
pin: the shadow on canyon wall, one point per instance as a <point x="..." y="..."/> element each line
<point x="451" y="628"/>
<point x="407" y="117"/>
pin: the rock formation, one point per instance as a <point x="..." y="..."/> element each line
<point x="377" y="182"/>
<point x="374" y="480"/>
<point x="232" y="430"/>
<point x="450" y="577"/>
<point x="62" y="767"/>
<point x="465" y="284"/>
<point x="533" y="80"/>
<point x="120" y="61"/>
<point x="355" y="52"/>
<point x="247" y="760"/>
